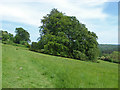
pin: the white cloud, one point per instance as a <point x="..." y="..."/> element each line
<point x="18" y="13"/>
<point x="87" y="11"/>
<point x="22" y="12"/>
<point x="18" y="10"/>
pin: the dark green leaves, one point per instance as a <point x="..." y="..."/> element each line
<point x="21" y="35"/>
<point x="66" y="36"/>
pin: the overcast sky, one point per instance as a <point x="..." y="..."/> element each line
<point x="99" y="16"/>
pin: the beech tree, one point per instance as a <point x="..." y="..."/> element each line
<point x="65" y="36"/>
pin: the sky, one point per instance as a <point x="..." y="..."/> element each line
<point x="99" y="16"/>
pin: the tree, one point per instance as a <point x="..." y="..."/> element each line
<point x="58" y="31"/>
<point x="21" y="35"/>
<point x="56" y="45"/>
<point x="34" y="46"/>
<point x="6" y="36"/>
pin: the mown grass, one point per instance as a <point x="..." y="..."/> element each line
<point x="26" y="69"/>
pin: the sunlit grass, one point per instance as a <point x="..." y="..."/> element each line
<point x="26" y="69"/>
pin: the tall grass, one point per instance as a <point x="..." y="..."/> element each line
<point x="27" y="69"/>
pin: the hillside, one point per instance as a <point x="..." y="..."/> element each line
<point x="108" y="48"/>
<point x="26" y="69"/>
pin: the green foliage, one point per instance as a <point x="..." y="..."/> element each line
<point x="21" y="35"/>
<point x="7" y="36"/>
<point x="0" y="33"/>
<point x="102" y="57"/>
<point x="113" y="57"/>
<point x="55" y="48"/>
<point x="25" y="43"/>
<point x="34" y="46"/>
<point x="92" y="53"/>
<point x="65" y="35"/>
<point x="108" y="48"/>
<point x="51" y="44"/>
<point x="79" y="55"/>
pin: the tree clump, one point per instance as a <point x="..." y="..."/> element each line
<point x="22" y="36"/>
<point x="5" y="36"/>
<point x="64" y="35"/>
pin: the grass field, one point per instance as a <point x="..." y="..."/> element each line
<point x="0" y="65"/>
<point x="22" y="68"/>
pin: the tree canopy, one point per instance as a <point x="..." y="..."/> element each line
<point x="6" y="36"/>
<point x="65" y="36"/>
<point x="21" y="36"/>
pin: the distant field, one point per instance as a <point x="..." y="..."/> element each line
<point x="22" y="68"/>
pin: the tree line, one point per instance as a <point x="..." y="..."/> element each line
<point x="21" y="37"/>
<point x="109" y="52"/>
<point x="60" y="35"/>
<point x="112" y="57"/>
<point x="108" y="49"/>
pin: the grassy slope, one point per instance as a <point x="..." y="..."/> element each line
<point x="0" y="65"/>
<point x="40" y="70"/>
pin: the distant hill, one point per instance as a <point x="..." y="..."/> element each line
<point x="108" y="48"/>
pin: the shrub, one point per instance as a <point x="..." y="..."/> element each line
<point x="113" y="57"/>
<point x="79" y="55"/>
<point x="41" y="50"/>
<point x="34" y="46"/>
<point x="102" y="58"/>
<point x="92" y="54"/>
<point x="108" y="58"/>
